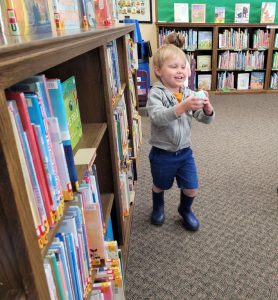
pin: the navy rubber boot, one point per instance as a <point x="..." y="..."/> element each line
<point x="190" y="221"/>
<point x="157" y="217"/>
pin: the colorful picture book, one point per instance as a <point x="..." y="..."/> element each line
<point x="243" y="81"/>
<point x="204" y="62"/>
<point x="205" y="40"/>
<point x="72" y="110"/>
<point x="198" y="13"/>
<point x="219" y="16"/>
<point x="268" y="12"/>
<point x="242" y="11"/>
<point x="257" y="80"/>
<point x="181" y="12"/>
<point x="204" y="82"/>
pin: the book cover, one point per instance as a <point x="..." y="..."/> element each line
<point x="257" y="80"/>
<point x="242" y="81"/>
<point x="205" y="40"/>
<point x="72" y="110"/>
<point x="181" y="12"/>
<point x="90" y="12"/>
<point x="204" y="82"/>
<point x="219" y="16"/>
<point x="198" y="13"/>
<point x="242" y="11"/>
<point x="268" y="12"/>
<point x="37" y="16"/>
<point x="204" y="62"/>
<point x="56" y="96"/>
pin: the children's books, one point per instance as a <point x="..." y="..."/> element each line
<point x="243" y="81"/>
<point x="242" y="11"/>
<point x="205" y="40"/>
<point x="219" y="16"/>
<point x="204" y="82"/>
<point x="257" y="80"/>
<point x="198" y="13"/>
<point x="268" y="12"/>
<point x="181" y="12"/>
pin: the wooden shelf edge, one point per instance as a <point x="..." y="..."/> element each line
<point x="242" y="92"/>
<point x="107" y="202"/>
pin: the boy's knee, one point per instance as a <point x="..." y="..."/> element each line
<point x="190" y="192"/>
<point x="156" y="189"/>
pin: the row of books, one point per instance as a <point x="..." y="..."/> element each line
<point x="79" y="247"/>
<point x="249" y="60"/>
<point x="239" y="39"/>
<point x="29" y="16"/>
<point x="194" y="39"/>
<point x="245" y="81"/>
<point x="47" y="123"/>
<point x="241" y="13"/>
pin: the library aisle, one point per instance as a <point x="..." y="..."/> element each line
<point x="234" y="254"/>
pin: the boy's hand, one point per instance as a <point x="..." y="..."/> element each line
<point x="191" y="103"/>
<point x="208" y="109"/>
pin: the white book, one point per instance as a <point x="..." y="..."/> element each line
<point x="181" y="12"/>
<point x="204" y="82"/>
<point x="242" y="11"/>
<point x="268" y="12"/>
<point x="243" y="81"/>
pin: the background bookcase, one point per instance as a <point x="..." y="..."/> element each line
<point x="216" y="29"/>
<point x="84" y="55"/>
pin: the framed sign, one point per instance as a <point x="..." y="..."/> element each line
<point x="139" y="10"/>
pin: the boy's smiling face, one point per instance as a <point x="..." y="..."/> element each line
<point x="173" y="73"/>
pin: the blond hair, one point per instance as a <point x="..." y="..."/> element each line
<point x="166" y="52"/>
<point x="176" y="39"/>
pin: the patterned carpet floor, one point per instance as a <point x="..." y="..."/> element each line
<point x="234" y="255"/>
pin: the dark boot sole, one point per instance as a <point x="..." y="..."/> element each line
<point x="154" y="222"/>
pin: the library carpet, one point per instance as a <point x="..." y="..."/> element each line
<point x="234" y="255"/>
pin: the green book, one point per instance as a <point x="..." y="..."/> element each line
<point x="72" y="110"/>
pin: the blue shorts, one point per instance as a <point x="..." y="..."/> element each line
<point x="166" y="166"/>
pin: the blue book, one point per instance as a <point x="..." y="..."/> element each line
<point x="109" y="236"/>
<point x="56" y="97"/>
<point x="36" y="117"/>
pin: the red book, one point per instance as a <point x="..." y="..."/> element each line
<point x="40" y="170"/>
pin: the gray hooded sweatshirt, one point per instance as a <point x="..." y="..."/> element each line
<point x="168" y="131"/>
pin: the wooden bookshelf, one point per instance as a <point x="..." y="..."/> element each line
<point x="82" y="54"/>
<point x="215" y="51"/>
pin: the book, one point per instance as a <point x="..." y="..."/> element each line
<point x="204" y="62"/>
<point x="219" y="16"/>
<point x="56" y="97"/>
<point x="257" y="80"/>
<point x="242" y="11"/>
<point x="268" y="12"/>
<point x="204" y="82"/>
<point x="242" y="81"/>
<point x="198" y="13"/>
<point x="66" y="14"/>
<point x="181" y="12"/>
<point x="205" y="40"/>
<point x="90" y="13"/>
<point x="72" y="110"/>
<point x="36" y="155"/>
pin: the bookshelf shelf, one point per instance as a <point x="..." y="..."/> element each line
<point x="267" y="51"/>
<point x="84" y="56"/>
<point x="107" y="202"/>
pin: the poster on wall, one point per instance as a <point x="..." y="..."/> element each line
<point x="138" y="10"/>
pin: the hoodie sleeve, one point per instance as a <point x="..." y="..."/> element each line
<point x="200" y="116"/>
<point x="159" y="114"/>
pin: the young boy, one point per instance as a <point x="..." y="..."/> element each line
<point x="171" y="107"/>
